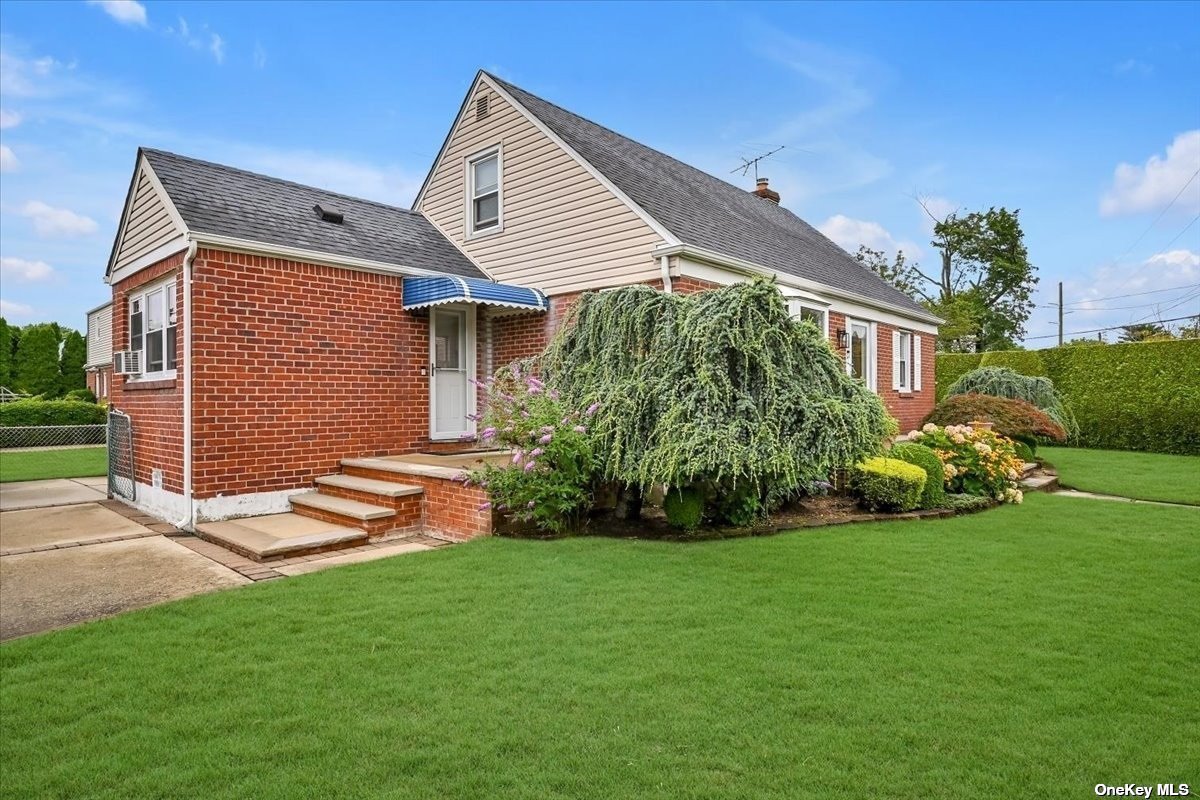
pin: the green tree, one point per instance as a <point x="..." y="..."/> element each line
<point x="900" y="273"/>
<point x="37" y="370"/>
<point x="1144" y="332"/>
<point x="6" y="353"/>
<point x="74" y="356"/>
<point x="985" y="274"/>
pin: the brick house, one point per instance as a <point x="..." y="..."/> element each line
<point x="289" y="337"/>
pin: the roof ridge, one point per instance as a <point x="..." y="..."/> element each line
<point x="274" y="179"/>
<point x="607" y="129"/>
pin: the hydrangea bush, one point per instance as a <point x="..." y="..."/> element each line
<point x="548" y="481"/>
<point x="975" y="461"/>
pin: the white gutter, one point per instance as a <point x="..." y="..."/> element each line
<point x="665" y="263"/>
<point x="189" y="521"/>
<point x="749" y="268"/>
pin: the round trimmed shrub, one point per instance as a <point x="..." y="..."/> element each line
<point x="934" y="493"/>
<point x="1024" y="450"/>
<point x="684" y="507"/>
<point x="888" y="484"/>
<point x="1015" y="419"/>
<point x="1004" y="382"/>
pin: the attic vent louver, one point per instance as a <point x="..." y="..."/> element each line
<point x="329" y="215"/>
<point x="481" y="107"/>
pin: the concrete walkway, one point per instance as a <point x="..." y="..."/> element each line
<point x="54" y="492"/>
<point x="1119" y="499"/>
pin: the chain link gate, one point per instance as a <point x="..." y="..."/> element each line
<point x="120" y="456"/>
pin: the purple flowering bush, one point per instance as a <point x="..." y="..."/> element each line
<point x="548" y="481"/>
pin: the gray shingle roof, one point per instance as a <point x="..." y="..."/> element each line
<point x="707" y="212"/>
<point x="224" y="201"/>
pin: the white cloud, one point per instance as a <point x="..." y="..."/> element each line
<point x="15" y="309"/>
<point x="205" y="39"/>
<point x="8" y="160"/>
<point x="1131" y="66"/>
<point x="382" y="183"/>
<point x="21" y="269"/>
<point x="850" y="234"/>
<point x="9" y="119"/>
<point x="1184" y="259"/>
<point x="127" y="12"/>
<point x="260" y="55"/>
<point x="54" y="222"/>
<point x="1151" y="187"/>
<point x="216" y="46"/>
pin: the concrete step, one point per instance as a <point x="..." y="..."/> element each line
<point x="1040" y="483"/>
<point x="1029" y="467"/>
<point x="368" y="485"/>
<point x="339" y="506"/>
<point x="280" y="536"/>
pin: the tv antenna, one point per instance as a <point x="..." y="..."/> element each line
<point x="752" y="163"/>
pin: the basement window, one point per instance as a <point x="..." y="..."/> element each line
<point x="484" y="175"/>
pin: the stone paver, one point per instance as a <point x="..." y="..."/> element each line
<point x="47" y="528"/>
<point x="362" y="554"/>
<point x="56" y="492"/>
<point x="51" y="589"/>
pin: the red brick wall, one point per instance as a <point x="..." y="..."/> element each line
<point x="298" y="366"/>
<point x="156" y="408"/>
<point x="909" y="408"/>
<point x="99" y="381"/>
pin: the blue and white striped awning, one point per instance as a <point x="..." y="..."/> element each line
<point x="430" y="290"/>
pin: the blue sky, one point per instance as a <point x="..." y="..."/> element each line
<point x="1086" y="117"/>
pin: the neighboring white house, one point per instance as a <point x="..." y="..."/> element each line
<point x="99" y="350"/>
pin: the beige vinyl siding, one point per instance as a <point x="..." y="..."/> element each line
<point x="148" y="225"/>
<point x="99" y="337"/>
<point x="563" y="230"/>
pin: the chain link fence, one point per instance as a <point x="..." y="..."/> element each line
<point x="53" y="451"/>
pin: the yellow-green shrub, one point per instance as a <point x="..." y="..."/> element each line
<point x="888" y="484"/>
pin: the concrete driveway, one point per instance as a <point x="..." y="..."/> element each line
<point x="63" y="564"/>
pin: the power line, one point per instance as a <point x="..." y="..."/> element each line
<point x="1135" y="294"/>
<point x="1182" y="232"/>
<point x="1109" y="328"/>
<point x="1142" y="235"/>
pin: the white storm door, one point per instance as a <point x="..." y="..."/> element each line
<point x="452" y="365"/>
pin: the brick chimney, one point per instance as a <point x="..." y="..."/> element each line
<point x="766" y="192"/>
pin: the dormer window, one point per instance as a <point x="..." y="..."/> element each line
<point x="483" y="193"/>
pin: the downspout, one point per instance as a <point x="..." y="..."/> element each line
<point x="664" y="263"/>
<point x="189" y="521"/>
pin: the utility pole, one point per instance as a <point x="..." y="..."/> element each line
<point x="1060" y="315"/>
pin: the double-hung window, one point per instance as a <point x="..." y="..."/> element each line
<point x="152" y="327"/>
<point x="906" y="361"/>
<point x="484" y="211"/>
<point x="808" y="313"/>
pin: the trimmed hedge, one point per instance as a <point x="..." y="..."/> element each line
<point x="888" y="484"/>
<point x="934" y="493"/>
<point x="1136" y="396"/>
<point x="684" y="507"/>
<point x="22" y="413"/>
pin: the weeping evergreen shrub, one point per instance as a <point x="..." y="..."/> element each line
<point x="720" y="388"/>
<point x="1005" y="382"/>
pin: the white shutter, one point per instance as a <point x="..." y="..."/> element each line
<point x="916" y="362"/>
<point x="896" y="360"/>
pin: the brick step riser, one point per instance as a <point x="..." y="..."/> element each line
<point x="373" y="527"/>
<point x="405" y="506"/>
<point x="250" y="554"/>
<point x="451" y="509"/>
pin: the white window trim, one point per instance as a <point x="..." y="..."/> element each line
<point x="903" y="377"/>
<point x="796" y="306"/>
<point x="469" y="192"/>
<point x="871" y="368"/>
<point x="142" y="292"/>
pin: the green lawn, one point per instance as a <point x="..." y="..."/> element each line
<point x="1039" y="649"/>
<point x="35" y="465"/>
<point x="1144" y="476"/>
